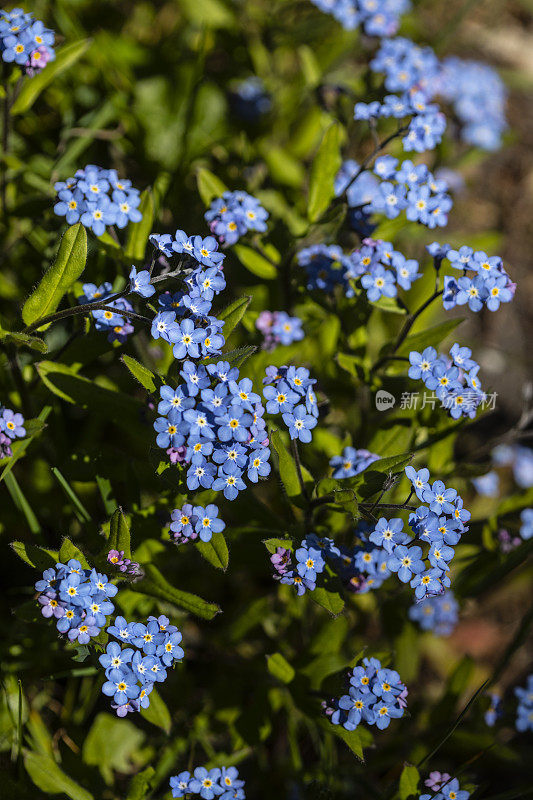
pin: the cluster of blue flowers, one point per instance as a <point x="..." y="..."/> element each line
<point x="249" y="99"/>
<point x="484" y="281"/>
<point x="78" y="598"/>
<point x="444" y="787"/>
<point x="376" y="17"/>
<point x="382" y="269"/>
<point x="427" y="123"/>
<point x="185" y="321"/>
<point x="112" y="319"/>
<point x="375" y="696"/>
<point x="234" y="214"/>
<point x="25" y="41"/>
<point x="438" y="614"/>
<point x="404" y="187"/>
<point x="223" y="783"/>
<point x="524" y="711"/>
<point x="408" y="187"/>
<point x="213" y="420"/>
<point x="351" y="462"/>
<point x="214" y="423"/>
<point x="385" y="549"/>
<point x="439" y="525"/>
<point x="379" y="268"/>
<point x="475" y="90"/>
<point x="131" y="670"/>
<point x="11" y="427"/>
<point x="289" y="392"/>
<point x="360" y="568"/>
<point x="453" y="380"/>
<point x="478" y="96"/>
<point x="279" y="328"/>
<point x="189" y="523"/>
<point x="97" y="197"/>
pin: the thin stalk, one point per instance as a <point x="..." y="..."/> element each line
<point x="409" y="322"/>
<point x="296" y="456"/>
<point x="368" y="160"/>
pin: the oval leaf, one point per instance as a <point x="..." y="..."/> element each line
<point x="140" y="373"/>
<point x="157" y="712"/>
<point x="409" y="782"/>
<point x="45" y="774"/>
<point x="66" y="269"/>
<point x="255" y="262"/>
<point x="119" y="534"/>
<point x="325" y="167"/>
<point x="215" y="551"/>
<point x="280" y="668"/>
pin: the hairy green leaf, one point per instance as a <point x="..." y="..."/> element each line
<point x="66" y="269"/>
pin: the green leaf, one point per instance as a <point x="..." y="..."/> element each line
<point x="325" y="167"/>
<point x="140" y="373"/>
<point x="80" y="510"/>
<point x="23" y="340"/>
<point x="67" y="268"/>
<point x="323" y="666"/>
<point x="287" y="467"/>
<point x="391" y="463"/>
<point x="119" y="534"/>
<point x="236" y="357"/>
<point x="280" y="668"/>
<point x="112" y="744"/>
<point x="69" y="550"/>
<point x="431" y="337"/>
<point x="138" y="232"/>
<point x="272" y="544"/>
<point x="117" y="407"/>
<point x="409" y="781"/>
<point x="233" y="314"/>
<point x="157" y="712"/>
<point x="37" y="557"/>
<point x="32" y="87"/>
<point x="49" y="778"/>
<point x="19" y="498"/>
<point x="331" y="601"/>
<point x="351" y="738"/>
<point x="142" y="782"/>
<point x="215" y="551"/>
<point x="209" y="186"/>
<point x="155" y="585"/>
<point x="255" y="262"/>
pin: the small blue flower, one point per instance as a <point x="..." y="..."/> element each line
<point x="123" y="689"/>
<point x="406" y="561"/>
<point x="140" y="282"/>
<point x="300" y="423"/>
<point x="310" y="562"/>
<point x="207" y="521"/>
